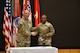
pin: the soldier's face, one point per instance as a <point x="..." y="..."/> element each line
<point x="44" y="18"/>
<point x="26" y="14"/>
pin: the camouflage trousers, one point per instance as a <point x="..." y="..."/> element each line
<point x="23" y="44"/>
<point x="45" y="43"/>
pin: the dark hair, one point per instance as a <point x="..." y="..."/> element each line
<point x="44" y="14"/>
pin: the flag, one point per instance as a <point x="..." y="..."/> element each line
<point x="26" y="5"/>
<point x="36" y="12"/>
<point x="16" y="13"/>
<point x="17" y="8"/>
<point x="7" y="24"/>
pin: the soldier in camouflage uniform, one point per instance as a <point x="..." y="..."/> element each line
<point x="46" y="31"/>
<point x="24" y="31"/>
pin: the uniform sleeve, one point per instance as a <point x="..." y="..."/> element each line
<point x="21" y="29"/>
<point x="34" y="28"/>
<point x="51" y="31"/>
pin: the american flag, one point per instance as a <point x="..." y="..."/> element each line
<point x="7" y="23"/>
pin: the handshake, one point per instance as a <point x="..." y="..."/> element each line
<point x="33" y="33"/>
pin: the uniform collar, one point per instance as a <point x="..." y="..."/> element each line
<point x="45" y="23"/>
<point x="24" y="18"/>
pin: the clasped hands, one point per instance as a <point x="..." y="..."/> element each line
<point x="33" y="33"/>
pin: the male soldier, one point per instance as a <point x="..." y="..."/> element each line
<point x="24" y="30"/>
<point x="46" y="31"/>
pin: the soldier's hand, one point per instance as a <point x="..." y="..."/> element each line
<point x="33" y="33"/>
